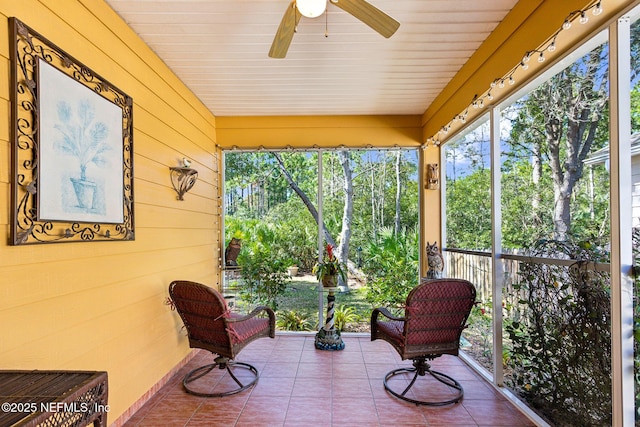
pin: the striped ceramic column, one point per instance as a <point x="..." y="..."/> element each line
<point x="329" y="323"/>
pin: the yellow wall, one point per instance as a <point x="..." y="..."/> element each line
<point x="100" y="306"/>
<point x="323" y="131"/>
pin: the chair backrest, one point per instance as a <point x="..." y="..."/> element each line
<point x="436" y="313"/>
<point x="203" y="311"/>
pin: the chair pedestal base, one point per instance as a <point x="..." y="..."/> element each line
<point x="421" y="368"/>
<point x="221" y="363"/>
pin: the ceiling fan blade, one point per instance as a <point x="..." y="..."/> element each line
<point x="285" y="32"/>
<point x="370" y="15"/>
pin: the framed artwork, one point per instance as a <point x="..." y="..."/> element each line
<point x="72" y="147"/>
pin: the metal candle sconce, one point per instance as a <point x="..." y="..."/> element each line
<point x="183" y="178"/>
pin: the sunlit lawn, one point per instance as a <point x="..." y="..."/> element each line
<point x="301" y="296"/>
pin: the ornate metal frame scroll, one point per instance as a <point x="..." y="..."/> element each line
<point x="28" y="49"/>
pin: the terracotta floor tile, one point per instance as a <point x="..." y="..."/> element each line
<point x="352" y="387"/>
<point x="274" y="386"/>
<point x="480" y="390"/>
<point x="255" y="356"/>
<point x="347" y="357"/>
<point x="301" y="386"/>
<point x="349" y="370"/>
<point x="378" y="370"/>
<point x="211" y="422"/>
<point x="314" y="370"/>
<point x="308" y="410"/>
<point x="347" y="410"/>
<point x="279" y="369"/>
<point x="284" y="355"/>
<point x="447" y="416"/>
<point x="264" y="409"/>
<point x="377" y="388"/>
<point x="397" y="411"/>
<point x="316" y="356"/>
<point x="164" y="421"/>
<point x="351" y="345"/>
<point x="312" y="387"/>
<point x="378" y="345"/>
<point x="378" y="357"/>
<point x="495" y="413"/>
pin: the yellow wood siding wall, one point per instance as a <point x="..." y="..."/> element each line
<point x="320" y="131"/>
<point x="100" y="306"/>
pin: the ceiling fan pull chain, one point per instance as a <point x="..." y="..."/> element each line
<point x="326" y="23"/>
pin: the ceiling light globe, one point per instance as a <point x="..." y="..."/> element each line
<point x="311" y="8"/>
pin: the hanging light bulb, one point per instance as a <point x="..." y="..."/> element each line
<point x="566" y="24"/>
<point x="552" y="46"/>
<point x="311" y="8"/>
<point x="584" y="18"/>
<point x="598" y="9"/>
<point x="524" y="65"/>
<point x="511" y="81"/>
<point x="541" y="57"/>
<point x="501" y="84"/>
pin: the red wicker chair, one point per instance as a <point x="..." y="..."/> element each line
<point x="435" y="315"/>
<point x="212" y="326"/>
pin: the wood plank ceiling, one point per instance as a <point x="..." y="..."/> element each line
<point x="219" y="48"/>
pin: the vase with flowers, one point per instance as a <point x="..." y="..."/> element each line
<point x="330" y="268"/>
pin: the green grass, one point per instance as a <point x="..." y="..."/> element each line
<point x="301" y="296"/>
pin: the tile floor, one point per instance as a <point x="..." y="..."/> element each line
<point x="302" y="386"/>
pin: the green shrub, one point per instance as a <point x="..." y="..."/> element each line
<point x="561" y="343"/>
<point x="391" y="265"/>
<point x="343" y="315"/>
<point x="293" y="320"/>
<point x="264" y="279"/>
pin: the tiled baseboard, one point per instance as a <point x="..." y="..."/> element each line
<point x="151" y="392"/>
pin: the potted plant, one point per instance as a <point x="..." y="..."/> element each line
<point x="84" y="137"/>
<point x="292" y="270"/>
<point x="330" y="268"/>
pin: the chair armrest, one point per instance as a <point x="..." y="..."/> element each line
<point x="254" y="313"/>
<point x="386" y="313"/>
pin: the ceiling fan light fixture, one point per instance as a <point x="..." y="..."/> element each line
<point x="311" y="8"/>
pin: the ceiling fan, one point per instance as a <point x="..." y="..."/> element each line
<point x="362" y="10"/>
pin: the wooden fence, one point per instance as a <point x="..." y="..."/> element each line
<point x="475" y="266"/>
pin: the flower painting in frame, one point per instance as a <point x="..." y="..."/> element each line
<point x="80" y="151"/>
<point x="72" y="154"/>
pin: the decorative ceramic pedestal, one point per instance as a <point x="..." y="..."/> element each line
<point x="328" y="338"/>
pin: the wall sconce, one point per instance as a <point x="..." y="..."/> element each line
<point x="433" y="176"/>
<point x="183" y="178"/>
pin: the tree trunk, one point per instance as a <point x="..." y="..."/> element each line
<point x="536" y="174"/>
<point x="305" y="199"/>
<point x="381" y="189"/>
<point x="571" y="96"/>
<point x="347" y="212"/>
<point x="374" y="224"/>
